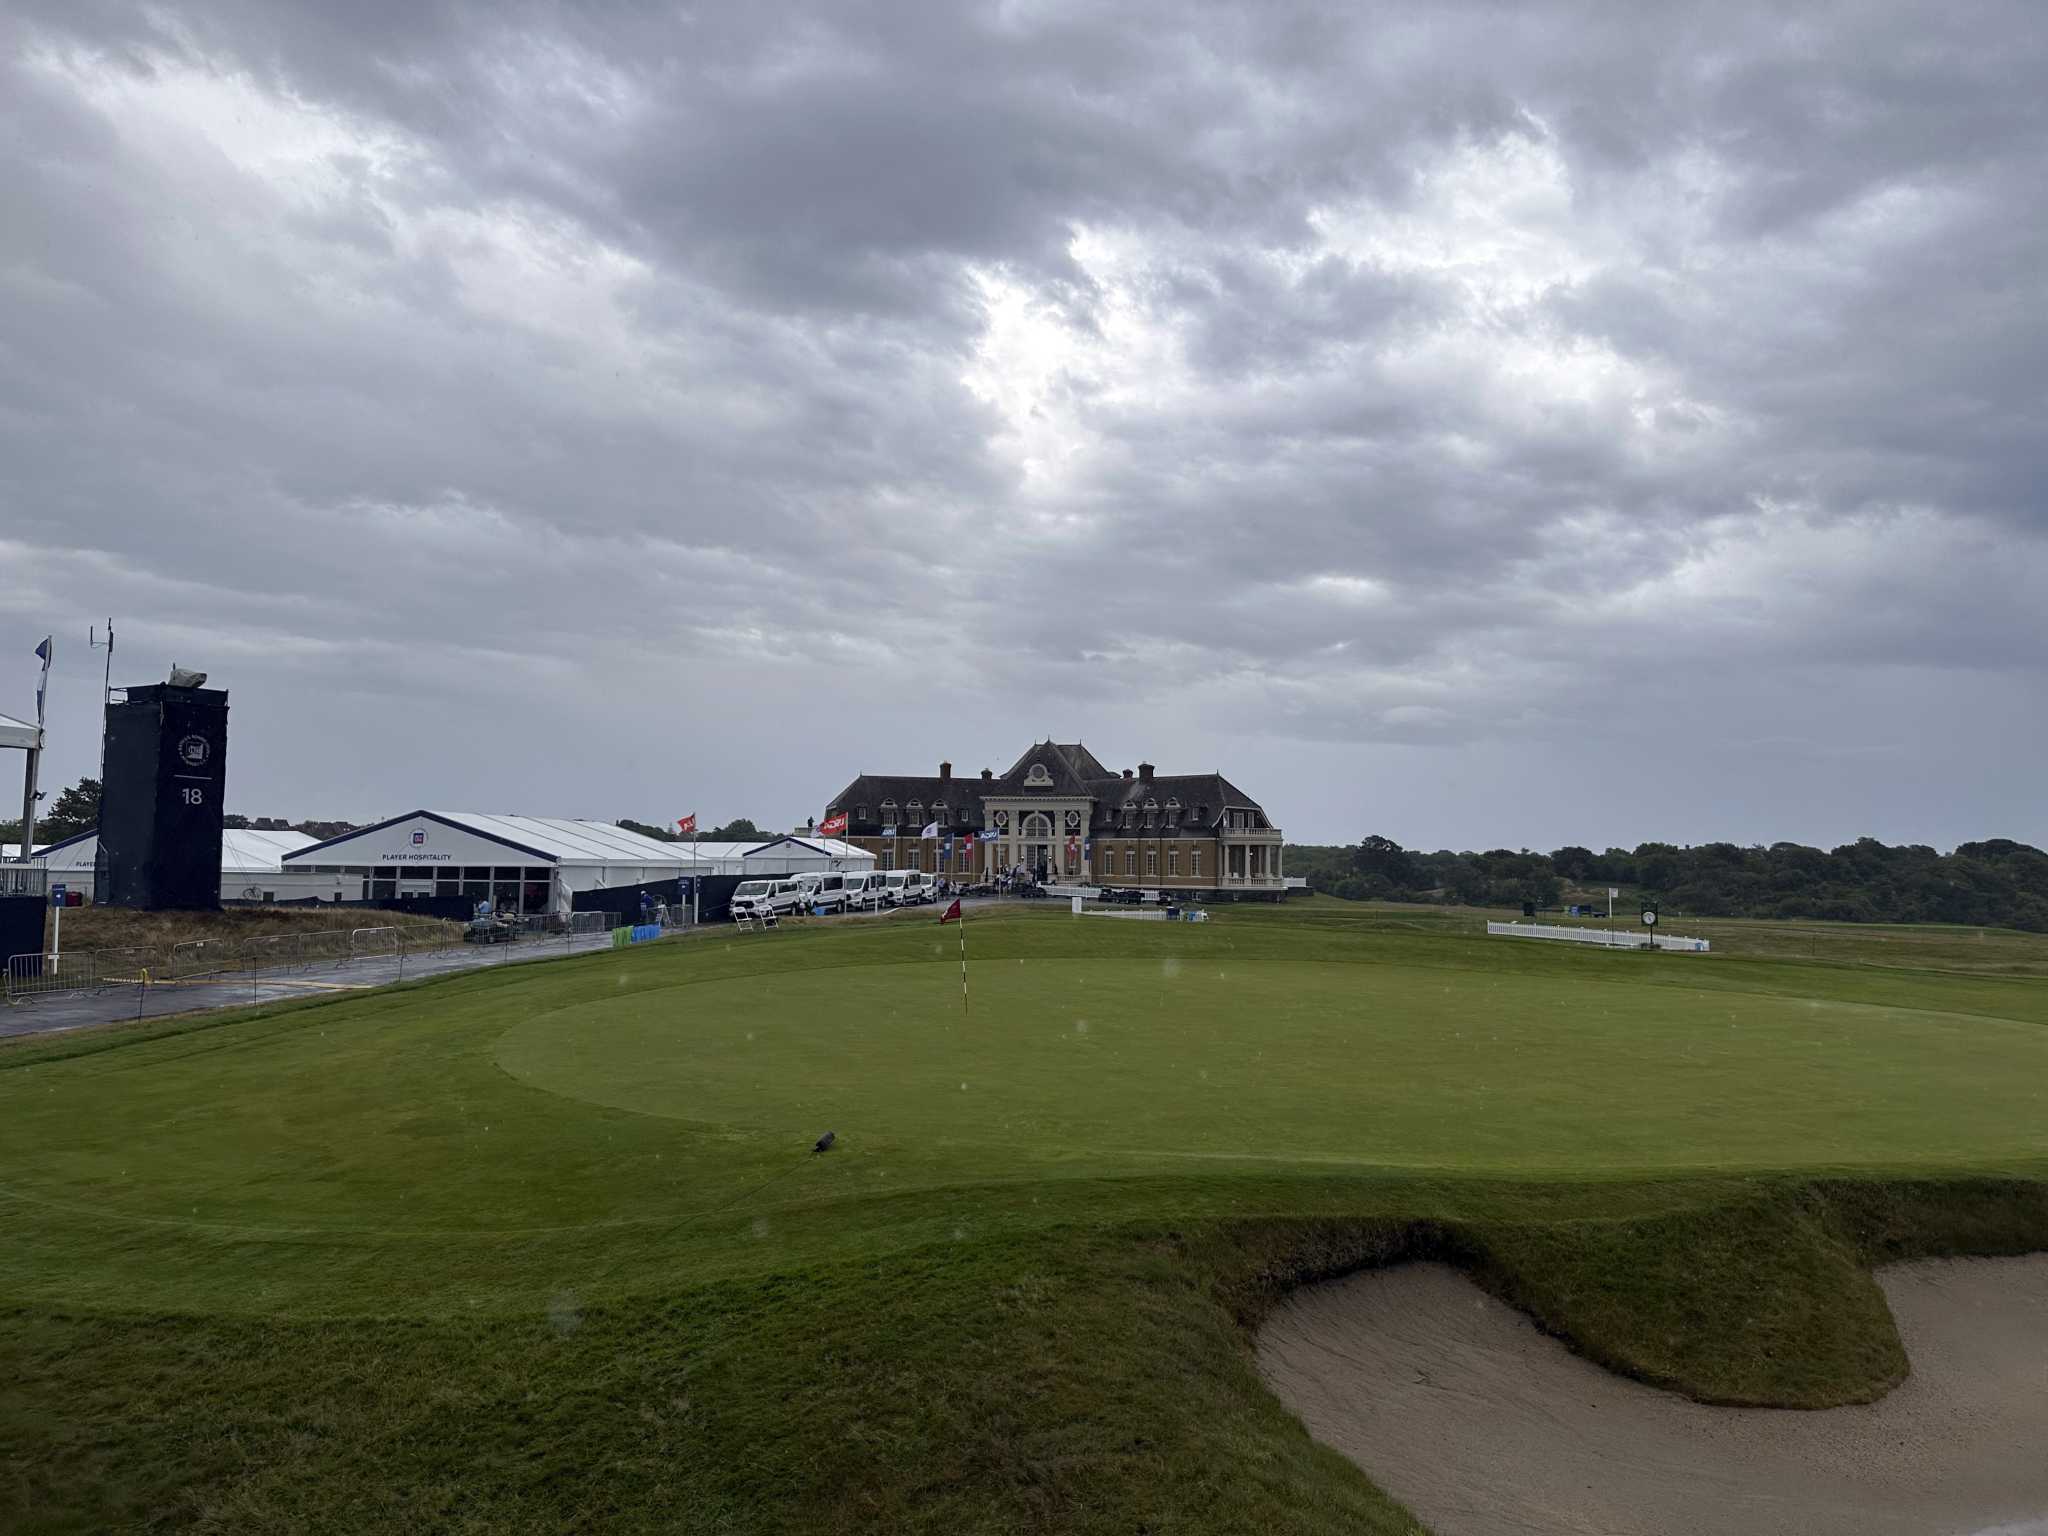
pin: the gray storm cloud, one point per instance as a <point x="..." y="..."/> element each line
<point x="1478" y="427"/>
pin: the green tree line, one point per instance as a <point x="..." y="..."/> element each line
<point x="1999" y="883"/>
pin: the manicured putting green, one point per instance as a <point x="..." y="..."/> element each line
<point x="1384" y="1065"/>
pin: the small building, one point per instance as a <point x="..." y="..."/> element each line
<point x="522" y="864"/>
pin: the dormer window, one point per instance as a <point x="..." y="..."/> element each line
<point x="915" y="808"/>
<point x="1127" y="818"/>
<point x="888" y="813"/>
<point x="939" y="813"/>
<point x="860" y="813"/>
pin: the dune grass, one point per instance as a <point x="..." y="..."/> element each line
<point x="96" y="927"/>
<point x="545" y="1248"/>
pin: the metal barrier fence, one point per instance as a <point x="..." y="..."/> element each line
<point x="39" y="975"/>
<point x="125" y="967"/>
<point x="24" y="878"/>
<point x="230" y="961"/>
<point x="196" y="959"/>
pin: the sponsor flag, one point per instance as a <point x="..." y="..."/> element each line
<point x="832" y="826"/>
<point x="931" y="831"/>
<point x="951" y="914"/>
<point x="42" y="685"/>
<point x="687" y="823"/>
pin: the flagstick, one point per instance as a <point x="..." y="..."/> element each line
<point x="963" y="962"/>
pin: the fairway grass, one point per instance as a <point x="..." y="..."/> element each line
<point x="547" y="1248"/>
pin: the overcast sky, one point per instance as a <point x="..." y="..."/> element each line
<point x="1476" y="424"/>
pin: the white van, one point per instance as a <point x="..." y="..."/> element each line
<point x="867" y="891"/>
<point x="756" y="897"/>
<point x="908" y="887"/>
<point x="824" y="891"/>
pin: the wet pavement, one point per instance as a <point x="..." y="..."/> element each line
<point x="79" y="1010"/>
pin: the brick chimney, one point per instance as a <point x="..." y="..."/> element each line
<point x="1145" y="771"/>
<point x="1127" y="773"/>
<point x="987" y="774"/>
<point x="945" y="773"/>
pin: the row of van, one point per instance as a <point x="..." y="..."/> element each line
<point x="831" y="891"/>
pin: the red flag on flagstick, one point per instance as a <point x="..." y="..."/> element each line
<point x="951" y="914"/>
<point x="687" y="823"/>
<point x="832" y="826"/>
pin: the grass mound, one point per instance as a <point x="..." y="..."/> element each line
<point x="96" y="927"/>
<point x="545" y="1247"/>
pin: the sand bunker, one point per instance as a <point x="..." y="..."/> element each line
<point x="1461" y="1409"/>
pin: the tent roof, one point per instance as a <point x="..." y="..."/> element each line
<point x="248" y="848"/>
<point x="827" y="847"/>
<point x="241" y="849"/>
<point x="560" y="840"/>
<point x="18" y="733"/>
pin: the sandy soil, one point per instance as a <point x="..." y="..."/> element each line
<point x="1483" y="1426"/>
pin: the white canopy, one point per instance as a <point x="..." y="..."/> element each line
<point x="473" y="837"/>
<point x="18" y="733"/>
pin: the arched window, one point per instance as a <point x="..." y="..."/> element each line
<point x="1038" y="825"/>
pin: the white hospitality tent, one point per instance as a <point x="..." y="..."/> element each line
<point x="779" y="856"/>
<point x="19" y="733"/>
<point x="251" y="867"/>
<point x="520" y="863"/>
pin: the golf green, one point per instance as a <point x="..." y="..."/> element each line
<point x="1220" y="1058"/>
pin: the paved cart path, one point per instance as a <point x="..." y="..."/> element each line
<point x="43" y="1015"/>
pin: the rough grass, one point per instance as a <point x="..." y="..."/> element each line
<point x="1900" y="946"/>
<point x="334" y="1268"/>
<point x="94" y="927"/>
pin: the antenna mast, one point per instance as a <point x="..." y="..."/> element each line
<point x="106" y="690"/>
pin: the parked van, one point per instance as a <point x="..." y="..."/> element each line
<point x="824" y="890"/>
<point x="867" y="891"/>
<point x="908" y="887"/>
<point x="756" y="897"/>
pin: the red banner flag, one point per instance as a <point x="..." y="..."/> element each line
<point x="951" y="914"/>
<point x="687" y="823"/>
<point x="832" y="826"/>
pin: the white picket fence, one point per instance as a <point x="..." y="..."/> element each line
<point x="1606" y="938"/>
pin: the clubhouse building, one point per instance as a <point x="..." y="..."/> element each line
<point x="1060" y="814"/>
